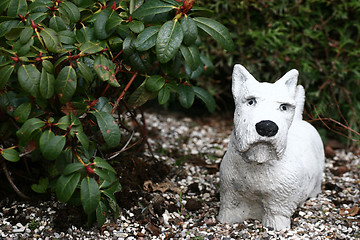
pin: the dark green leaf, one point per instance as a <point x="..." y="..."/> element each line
<point x="10" y="154"/>
<point x="164" y="95"/>
<point x="85" y="34"/>
<point x="26" y="34"/>
<point x="72" y="167"/>
<point x="190" y="30"/>
<point x="99" y="162"/>
<point x="5" y="74"/>
<point x="71" y="10"/>
<point x="66" y="185"/>
<point x="139" y="97"/>
<point x="67" y="37"/>
<point x="103" y="105"/>
<point x="51" y="145"/>
<point x="208" y="65"/>
<point x="186" y="95"/>
<point x="68" y="120"/>
<point x="42" y="186"/>
<point x="191" y="55"/>
<point x="154" y="83"/>
<point x="17" y="7"/>
<point x="48" y="66"/>
<point x="57" y="23"/>
<point x="206" y="98"/>
<point x="38" y="17"/>
<point x="147" y="38"/>
<point x="138" y="62"/>
<point x="216" y="30"/>
<point x="108" y="127"/>
<point x="47" y="81"/>
<point x="66" y="83"/>
<point x="83" y="139"/>
<point x="51" y="40"/>
<point x="101" y="212"/>
<point x="29" y="127"/>
<point x="105" y="175"/>
<point x="85" y="71"/>
<point x="29" y="79"/>
<point x="113" y="22"/>
<point x="90" y="194"/>
<point x="100" y="24"/>
<point x="136" y="26"/>
<point x="90" y="47"/>
<point x="129" y="46"/>
<point x="151" y="8"/>
<point x="22" y="112"/>
<point x="168" y="40"/>
<point x="6" y="26"/>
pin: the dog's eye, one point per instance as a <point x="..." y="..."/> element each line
<point x="251" y="101"/>
<point x="284" y="107"/>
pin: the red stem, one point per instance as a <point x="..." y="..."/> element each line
<point x="124" y="91"/>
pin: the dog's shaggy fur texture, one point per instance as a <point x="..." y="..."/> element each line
<point x="274" y="160"/>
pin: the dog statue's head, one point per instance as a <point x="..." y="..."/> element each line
<point x="264" y="113"/>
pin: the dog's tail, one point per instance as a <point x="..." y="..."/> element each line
<point x="300" y="101"/>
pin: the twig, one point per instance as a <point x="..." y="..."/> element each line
<point x="123" y="92"/>
<point x="338" y="123"/>
<point x="145" y="132"/>
<point x="18" y="192"/>
<point x="115" y="154"/>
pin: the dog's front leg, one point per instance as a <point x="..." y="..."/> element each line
<point x="277" y="222"/>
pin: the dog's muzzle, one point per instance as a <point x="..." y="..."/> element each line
<point x="266" y="128"/>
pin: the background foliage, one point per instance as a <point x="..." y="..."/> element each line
<point x="71" y="71"/>
<point x="319" y="38"/>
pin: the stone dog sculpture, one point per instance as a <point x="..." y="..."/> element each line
<point x="274" y="160"/>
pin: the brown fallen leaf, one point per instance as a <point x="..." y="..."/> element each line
<point x="149" y="186"/>
<point x="351" y="212"/>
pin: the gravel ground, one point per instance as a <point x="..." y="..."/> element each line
<point x="185" y="205"/>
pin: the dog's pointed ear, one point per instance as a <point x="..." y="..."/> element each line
<point x="239" y="77"/>
<point x="290" y="80"/>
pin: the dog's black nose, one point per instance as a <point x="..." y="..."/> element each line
<point x="266" y="128"/>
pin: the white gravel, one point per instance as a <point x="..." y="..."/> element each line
<point x="334" y="214"/>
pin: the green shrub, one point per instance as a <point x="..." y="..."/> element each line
<point x="319" y="38"/>
<point x="66" y="66"/>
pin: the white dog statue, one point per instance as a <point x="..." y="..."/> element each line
<point x="274" y="160"/>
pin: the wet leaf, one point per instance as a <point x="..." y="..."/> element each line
<point x="168" y="41"/>
<point x="5" y="74"/>
<point x="108" y="127"/>
<point x="190" y="30"/>
<point x="66" y="83"/>
<point x="10" y="154"/>
<point x="206" y="98"/>
<point x="29" y="79"/>
<point x="151" y="8"/>
<point x="154" y="83"/>
<point x="22" y="112"/>
<point x="47" y="82"/>
<point x="51" y="40"/>
<point x="90" y="194"/>
<point x="51" y="145"/>
<point x="42" y="186"/>
<point x="186" y="95"/>
<point x="66" y="185"/>
<point x="101" y="212"/>
<point x="216" y="30"/>
<point x="147" y="38"/>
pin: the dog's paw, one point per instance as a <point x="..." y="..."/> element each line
<point x="276" y="222"/>
<point x="230" y="216"/>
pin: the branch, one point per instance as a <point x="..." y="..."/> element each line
<point x="18" y="192"/>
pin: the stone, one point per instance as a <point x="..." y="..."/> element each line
<point x="275" y="160"/>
